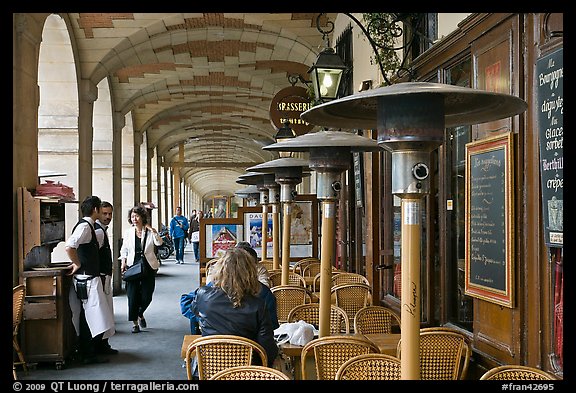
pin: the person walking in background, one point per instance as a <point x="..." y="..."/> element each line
<point x="195" y="235"/>
<point x="192" y="218"/>
<point x="178" y="232"/>
<point x="91" y="315"/>
<point x="105" y="255"/>
<point x="139" y="240"/>
<point x="231" y="304"/>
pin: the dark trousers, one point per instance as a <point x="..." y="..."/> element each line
<point x="179" y="248"/>
<point x="139" y="294"/>
<point x="87" y="344"/>
<point x="196" y="246"/>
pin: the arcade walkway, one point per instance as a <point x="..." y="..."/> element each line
<point x="154" y="354"/>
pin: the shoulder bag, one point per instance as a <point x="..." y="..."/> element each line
<point x="136" y="271"/>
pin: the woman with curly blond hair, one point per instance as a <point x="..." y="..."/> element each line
<point x="231" y="305"/>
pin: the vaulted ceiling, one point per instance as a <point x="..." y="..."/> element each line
<point x="203" y="81"/>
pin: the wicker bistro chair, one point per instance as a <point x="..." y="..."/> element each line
<point x="293" y="279"/>
<point x="250" y="373"/>
<point x="351" y="298"/>
<point x="349" y="278"/>
<point x="444" y="354"/>
<point x="288" y="297"/>
<point x="370" y="366"/>
<point x="331" y="352"/>
<point x="18" y="296"/>
<point x="375" y="319"/>
<point x="299" y="266"/>
<point x="218" y="352"/>
<point x="311" y="269"/>
<point x="268" y="264"/>
<point x="310" y="313"/>
<point x="510" y="372"/>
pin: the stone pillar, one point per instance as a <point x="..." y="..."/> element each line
<point x="119" y="216"/>
<point x="88" y="94"/>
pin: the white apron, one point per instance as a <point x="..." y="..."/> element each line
<point x="98" y="314"/>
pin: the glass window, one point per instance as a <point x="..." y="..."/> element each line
<point x="460" y="307"/>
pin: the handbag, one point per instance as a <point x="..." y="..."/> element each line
<point x="195" y="236"/>
<point x="136" y="271"/>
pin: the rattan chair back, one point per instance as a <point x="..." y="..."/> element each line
<point x="444" y="354"/>
<point x="351" y="298"/>
<point x="288" y="297"/>
<point x="18" y="297"/>
<point x="510" y="372"/>
<point x="268" y="264"/>
<point x="370" y="366"/>
<point x="310" y="313"/>
<point x="331" y="352"/>
<point x="349" y="278"/>
<point x="218" y="352"/>
<point x="311" y="269"/>
<point x="298" y="267"/>
<point x="293" y="279"/>
<point x="375" y="319"/>
<point x="250" y="373"/>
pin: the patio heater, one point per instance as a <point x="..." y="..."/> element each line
<point x="288" y="173"/>
<point x="411" y="118"/>
<point x="260" y="180"/>
<point x="330" y="155"/>
<point x="250" y="194"/>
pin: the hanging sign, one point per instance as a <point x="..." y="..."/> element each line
<point x="289" y="103"/>
<point x="550" y="77"/>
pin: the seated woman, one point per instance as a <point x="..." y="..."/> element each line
<point x="231" y="305"/>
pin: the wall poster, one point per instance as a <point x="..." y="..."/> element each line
<point x="489" y="220"/>
<point x="253" y="231"/>
<point x="303" y="228"/>
<point x="550" y="79"/>
<point x="219" y="237"/>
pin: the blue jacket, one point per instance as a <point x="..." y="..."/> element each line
<point x="175" y="230"/>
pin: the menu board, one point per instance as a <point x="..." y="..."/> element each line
<point x="550" y="70"/>
<point x="489" y="224"/>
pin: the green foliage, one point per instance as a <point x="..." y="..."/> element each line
<point x="382" y="30"/>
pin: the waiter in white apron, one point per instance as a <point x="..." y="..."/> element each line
<point x="91" y="315"/>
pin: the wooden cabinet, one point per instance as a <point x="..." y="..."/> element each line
<point x="47" y="333"/>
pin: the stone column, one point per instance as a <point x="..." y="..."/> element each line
<point x="88" y="94"/>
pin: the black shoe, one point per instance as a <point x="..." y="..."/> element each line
<point x="94" y="360"/>
<point x="135" y="329"/>
<point x="143" y="322"/>
<point x="108" y="351"/>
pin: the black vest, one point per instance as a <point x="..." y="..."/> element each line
<point x="88" y="254"/>
<point x="104" y="253"/>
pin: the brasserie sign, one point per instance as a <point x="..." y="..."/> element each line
<point x="288" y="104"/>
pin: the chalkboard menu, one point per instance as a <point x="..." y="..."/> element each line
<point x="489" y="207"/>
<point x="550" y="77"/>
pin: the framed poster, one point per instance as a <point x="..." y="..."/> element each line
<point x="303" y="228"/>
<point x="220" y="207"/>
<point x="489" y="256"/>
<point x="252" y="217"/>
<point x="218" y="235"/>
